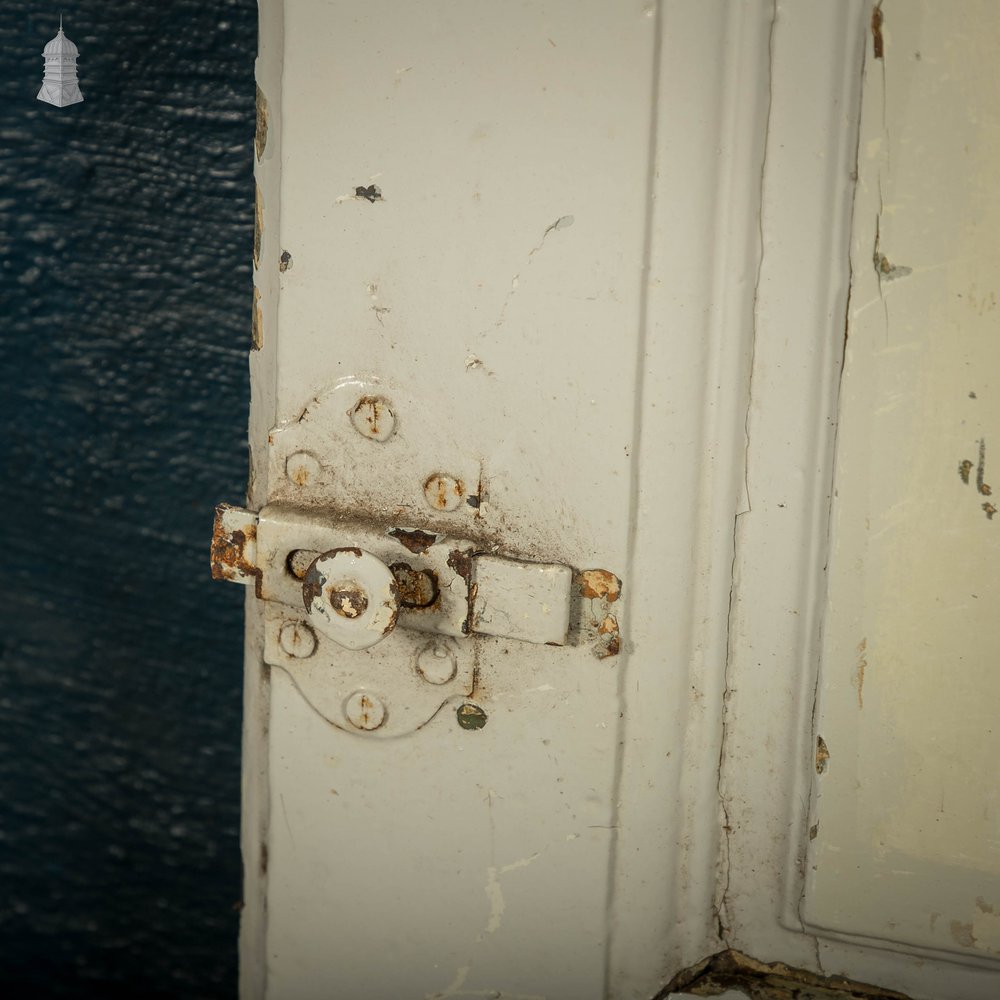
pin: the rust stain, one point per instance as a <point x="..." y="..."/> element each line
<point x="416" y="541"/>
<point x="460" y="560"/>
<point x="964" y="468"/>
<point x="298" y="562"/>
<point x="370" y="415"/>
<point x="877" y="43"/>
<point x="599" y="584"/>
<point x="859" y="673"/>
<point x="822" y="755"/>
<point x="260" y="136"/>
<point x="229" y="561"/>
<point x="348" y="600"/>
<point x="312" y="587"/>
<point x="393" y="604"/>
<point x="284" y="261"/>
<point x="257" y="322"/>
<point x="418" y="588"/>
<point x="990" y="510"/>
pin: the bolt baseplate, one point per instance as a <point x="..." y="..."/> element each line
<point x="405" y="690"/>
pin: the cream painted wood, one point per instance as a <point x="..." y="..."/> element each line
<point x="795" y="670"/>
<point x="907" y="818"/>
<point x="611" y="257"/>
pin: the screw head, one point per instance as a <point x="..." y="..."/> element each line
<point x="302" y="468"/>
<point x="348" y="598"/>
<point x="471" y="716"/>
<point x="443" y="492"/>
<point x="436" y="663"/>
<point x="364" y="711"/>
<point x="373" y="418"/>
<point x="297" y="639"/>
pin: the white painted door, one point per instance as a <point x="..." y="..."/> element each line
<point x="566" y="283"/>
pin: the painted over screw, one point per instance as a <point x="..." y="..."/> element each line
<point x="436" y="663"/>
<point x="297" y="639"/>
<point x="364" y="711"/>
<point x="443" y="492"/>
<point x="302" y="468"/>
<point x="373" y="418"/>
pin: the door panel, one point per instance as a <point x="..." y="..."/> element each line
<point x="907" y="842"/>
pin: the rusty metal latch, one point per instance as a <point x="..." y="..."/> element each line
<point x="330" y="586"/>
<point x="355" y="584"/>
<point x="380" y="623"/>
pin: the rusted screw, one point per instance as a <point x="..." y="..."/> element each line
<point x="443" y="492"/>
<point x="436" y="663"/>
<point x="471" y="716"/>
<point x="364" y="711"/>
<point x="302" y="468"/>
<point x="297" y="639"/>
<point x="348" y="599"/>
<point x="373" y="418"/>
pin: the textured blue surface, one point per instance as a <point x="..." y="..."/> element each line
<point x="125" y="289"/>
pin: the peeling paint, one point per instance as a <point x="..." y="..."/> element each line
<point x="878" y="45"/>
<point x="260" y="135"/>
<point x="600" y="588"/>
<point x="256" y="322"/>
<point x="234" y="549"/>
<point x="600" y="584"/>
<point x="982" y="486"/>
<point x="962" y="934"/>
<point x="413" y="539"/>
<point x="859" y="672"/>
<point x="822" y="755"/>
<point x="735" y="970"/>
<point x="258" y="224"/>
<point x="884" y="268"/>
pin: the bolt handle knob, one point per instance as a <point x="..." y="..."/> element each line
<point x="351" y="597"/>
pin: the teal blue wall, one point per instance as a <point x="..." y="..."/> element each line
<point x="125" y="290"/>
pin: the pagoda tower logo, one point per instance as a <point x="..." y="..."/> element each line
<point x="60" y="86"/>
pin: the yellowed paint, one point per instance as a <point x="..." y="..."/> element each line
<point x="909" y="808"/>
